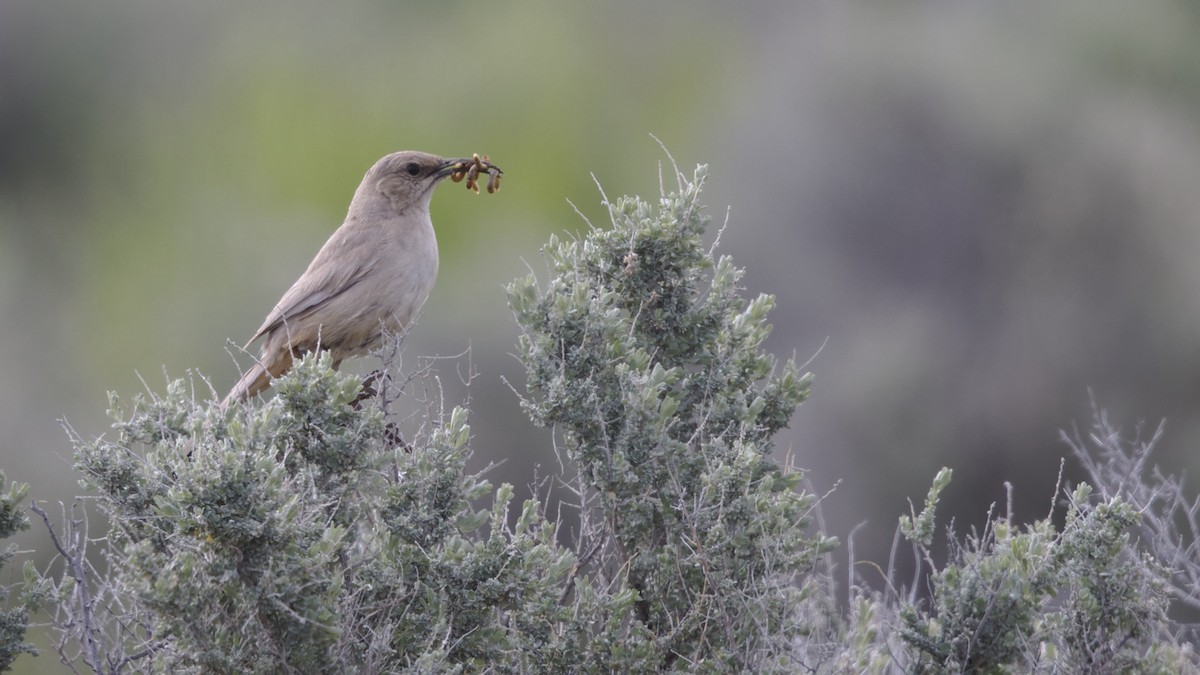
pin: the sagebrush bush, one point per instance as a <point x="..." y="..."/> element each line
<point x="1037" y="600"/>
<point x="15" y="620"/>
<point x="644" y="357"/>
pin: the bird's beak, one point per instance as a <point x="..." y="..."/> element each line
<point x="449" y="166"/>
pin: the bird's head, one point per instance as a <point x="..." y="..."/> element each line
<point x="406" y="179"/>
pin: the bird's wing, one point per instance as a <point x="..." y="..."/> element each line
<point x="327" y="277"/>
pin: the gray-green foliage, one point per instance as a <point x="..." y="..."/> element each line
<point x="1036" y="599"/>
<point x="645" y="358"/>
<point x="14" y="620"/>
<point x="299" y="536"/>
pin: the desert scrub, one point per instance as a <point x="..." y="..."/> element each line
<point x="15" y="619"/>
<point x="646" y="360"/>
<point x="1035" y="599"/>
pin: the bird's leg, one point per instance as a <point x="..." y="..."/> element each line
<point x="391" y="432"/>
<point x="391" y="436"/>
<point x="368" y="388"/>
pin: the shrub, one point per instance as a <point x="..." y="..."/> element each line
<point x="15" y="620"/>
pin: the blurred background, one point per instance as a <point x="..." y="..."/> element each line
<point x="970" y="213"/>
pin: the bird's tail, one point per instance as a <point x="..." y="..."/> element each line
<point x="255" y="380"/>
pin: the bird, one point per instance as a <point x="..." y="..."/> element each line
<point x="373" y="275"/>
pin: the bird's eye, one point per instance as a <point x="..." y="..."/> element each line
<point x="412" y="168"/>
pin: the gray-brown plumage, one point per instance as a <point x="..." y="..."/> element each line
<point x="371" y="277"/>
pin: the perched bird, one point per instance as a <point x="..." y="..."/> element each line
<point x="372" y="276"/>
